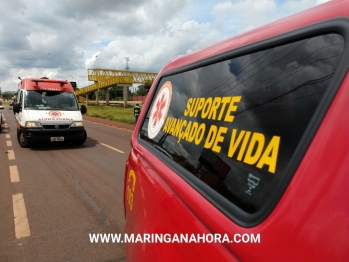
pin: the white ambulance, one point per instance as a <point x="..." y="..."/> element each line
<point x="47" y="110"/>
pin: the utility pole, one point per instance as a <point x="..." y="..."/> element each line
<point x="127" y="60"/>
<point x="125" y="88"/>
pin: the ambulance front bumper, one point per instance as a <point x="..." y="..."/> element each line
<point x="40" y="134"/>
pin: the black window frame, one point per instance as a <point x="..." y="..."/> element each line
<point x="338" y="26"/>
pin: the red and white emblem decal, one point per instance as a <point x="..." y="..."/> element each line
<point x="55" y="114"/>
<point x="159" y="110"/>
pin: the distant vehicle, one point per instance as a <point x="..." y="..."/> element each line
<point x="47" y="110"/>
<point x="241" y="150"/>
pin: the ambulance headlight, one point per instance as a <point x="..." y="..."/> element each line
<point x="32" y="124"/>
<point x="77" y="124"/>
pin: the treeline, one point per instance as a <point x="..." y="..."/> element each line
<point x="116" y="93"/>
<point x="8" y="95"/>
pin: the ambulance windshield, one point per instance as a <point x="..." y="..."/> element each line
<point x="50" y="100"/>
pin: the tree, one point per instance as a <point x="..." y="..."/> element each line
<point x="7" y="95"/>
<point x="74" y="85"/>
<point x="143" y="90"/>
<point x="115" y="92"/>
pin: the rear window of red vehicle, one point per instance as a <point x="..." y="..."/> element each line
<point x="236" y="129"/>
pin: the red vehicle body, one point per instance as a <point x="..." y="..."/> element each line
<point x="301" y="216"/>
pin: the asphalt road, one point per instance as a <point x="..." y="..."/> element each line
<point x="53" y="196"/>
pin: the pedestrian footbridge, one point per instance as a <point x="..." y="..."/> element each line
<point x="106" y="78"/>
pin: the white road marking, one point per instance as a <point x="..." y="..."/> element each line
<point x="14" y="174"/>
<point x="5" y="125"/>
<point x="3" y="117"/>
<point x="9" y="143"/>
<point x="11" y="155"/>
<point x="7" y="136"/>
<point x="20" y="216"/>
<point x="113" y="148"/>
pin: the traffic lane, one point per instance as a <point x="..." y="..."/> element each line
<point x="66" y="223"/>
<point x="106" y="161"/>
<point x="114" y="138"/>
<point x="69" y="192"/>
<point x="6" y="190"/>
<point x="68" y="196"/>
<point x="107" y="135"/>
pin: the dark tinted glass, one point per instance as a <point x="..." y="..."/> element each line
<point x="236" y="124"/>
<point x="46" y="100"/>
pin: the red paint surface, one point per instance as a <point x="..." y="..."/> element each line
<point x="310" y="222"/>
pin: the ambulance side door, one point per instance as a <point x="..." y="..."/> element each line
<point x="19" y="100"/>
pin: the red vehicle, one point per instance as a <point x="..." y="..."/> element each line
<point x="241" y="151"/>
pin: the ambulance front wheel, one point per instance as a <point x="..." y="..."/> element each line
<point x="22" y="139"/>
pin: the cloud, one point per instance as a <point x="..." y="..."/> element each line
<point x="63" y="38"/>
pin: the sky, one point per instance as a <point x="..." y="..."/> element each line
<point x="61" y="39"/>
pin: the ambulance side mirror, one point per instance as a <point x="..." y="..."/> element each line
<point x="83" y="109"/>
<point x="16" y="108"/>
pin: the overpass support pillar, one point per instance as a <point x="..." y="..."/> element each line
<point x="125" y="93"/>
<point x="107" y="96"/>
<point x="86" y="100"/>
<point x="96" y="97"/>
